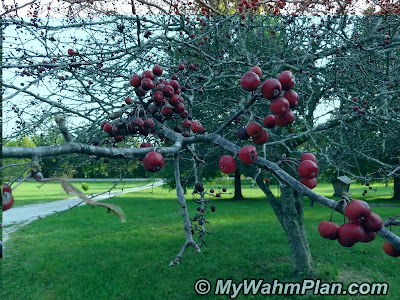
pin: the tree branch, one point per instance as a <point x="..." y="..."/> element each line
<point x="186" y="220"/>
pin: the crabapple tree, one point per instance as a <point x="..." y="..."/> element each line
<point x="167" y="90"/>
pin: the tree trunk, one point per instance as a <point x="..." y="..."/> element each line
<point x="396" y="187"/>
<point x="289" y="211"/>
<point x="238" y="186"/>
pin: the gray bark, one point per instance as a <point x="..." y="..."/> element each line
<point x="186" y="220"/>
<point x="289" y="211"/>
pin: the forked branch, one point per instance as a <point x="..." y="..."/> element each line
<point x="186" y="220"/>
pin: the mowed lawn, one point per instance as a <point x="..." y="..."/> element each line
<point x="88" y="254"/>
<point x="32" y="192"/>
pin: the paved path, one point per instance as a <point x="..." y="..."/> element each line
<point x="23" y="215"/>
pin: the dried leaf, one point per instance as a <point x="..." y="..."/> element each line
<point x="115" y="115"/>
<point x="71" y="190"/>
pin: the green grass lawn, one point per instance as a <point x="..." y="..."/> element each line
<point x="35" y="192"/>
<point x="88" y="254"/>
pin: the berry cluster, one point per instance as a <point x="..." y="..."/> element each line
<point x="133" y="125"/>
<point x="271" y="89"/>
<point x="257" y="133"/>
<point x="159" y="97"/>
<point x="281" y="103"/>
<point x="200" y="218"/>
<point x="245" y="5"/>
<point x="247" y="154"/>
<point x="360" y="108"/>
<point x="166" y="98"/>
<point x="362" y="226"/>
<point x="218" y="195"/>
<point x="308" y="170"/>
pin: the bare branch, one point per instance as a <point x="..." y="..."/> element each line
<point x="182" y="201"/>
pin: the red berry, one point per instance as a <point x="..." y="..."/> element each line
<point x="180" y="109"/>
<point x="308" y="156"/>
<point x="369" y="237"/>
<point x="350" y="233"/>
<point x="356" y="210"/>
<point x="292" y="97"/>
<point x="279" y="106"/>
<point x="107" y="127"/>
<point x="128" y="100"/>
<point x="168" y="90"/>
<point x="308" y="169"/>
<point x="261" y="139"/>
<point x="158" y="96"/>
<point x="257" y="70"/>
<point x="118" y="138"/>
<point x="8" y="199"/>
<point x="390" y="250"/>
<point x="174" y="100"/>
<point x="157" y="70"/>
<point x="286" y="119"/>
<point x="328" y="230"/>
<point x="250" y="81"/>
<point x="148" y="123"/>
<point x="196" y="127"/>
<point x="145" y="145"/>
<point x="135" y="80"/>
<point x="167" y="111"/>
<point x="186" y="123"/>
<point x="271" y="88"/>
<point x="153" y="161"/>
<point x="184" y="114"/>
<point x="269" y="121"/>
<point x="227" y="164"/>
<point x="372" y="223"/>
<point x="148" y="74"/>
<point x="310" y="183"/>
<point x="248" y="154"/>
<point x="174" y="84"/>
<point x="254" y="129"/>
<point x="147" y="84"/>
<point x="287" y="80"/>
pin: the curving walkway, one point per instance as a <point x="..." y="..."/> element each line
<point x="17" y="217"/>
